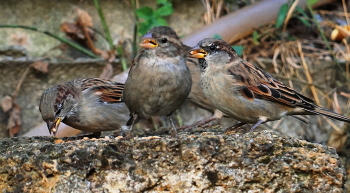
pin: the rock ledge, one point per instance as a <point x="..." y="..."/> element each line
<point x="255" y="162"/>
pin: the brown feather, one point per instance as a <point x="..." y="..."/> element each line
<point x="264" y="86"/>
<point x="109" y="94"/>
<point x="108" y="91"/>
<point x="329" y="114"/>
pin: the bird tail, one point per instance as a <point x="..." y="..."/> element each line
<point x="329" y="114"/>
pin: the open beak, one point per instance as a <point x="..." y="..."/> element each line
<point x="53" y="126"/>
<point x="197" y="52"/>
<point x="147" y="41"/>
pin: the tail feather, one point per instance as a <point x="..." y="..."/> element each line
<point x="329" y="114"/>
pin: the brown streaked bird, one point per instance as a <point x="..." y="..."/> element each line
<point x="247" y="93"/>
<point x="87" y="104"/>
<point x="159" y="80"/>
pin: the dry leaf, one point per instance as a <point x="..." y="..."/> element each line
<point x="80" y="31"/>
<point x="72" y="30"/>
<point x="40" y="66"/>
<point x="84" y="19"/>
<point x="14" y="122"/>
<point x="6" y="103"/>
<point x="103" y="53"/>
<point x="75" y="32"/>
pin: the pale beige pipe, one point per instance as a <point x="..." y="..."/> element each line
<point x="240" y="23"/>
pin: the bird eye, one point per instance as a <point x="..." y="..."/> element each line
<point x="163" y="40"/>
<point x="212" y="47"/>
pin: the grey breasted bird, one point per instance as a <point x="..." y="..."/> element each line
<point x="159" y="80"/>
<point x="245" y="92"/>
<point x="90" y="104"/>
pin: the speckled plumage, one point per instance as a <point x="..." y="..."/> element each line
<point x="90" y="104"/>
<point x="245" y="92"/>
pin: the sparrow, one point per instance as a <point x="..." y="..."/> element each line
<point x="159" y="80"/>
<point x="245" y="92"/>
<point x="87" y="104"/>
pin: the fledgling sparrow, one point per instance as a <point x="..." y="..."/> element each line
<point x="87" y="104"/>
<point x="159" y="80"/>
<point x="245" y="92"/>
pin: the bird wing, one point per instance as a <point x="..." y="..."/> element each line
<point x="108" y="91"/>
<point x="255" y="83"/>
<point x="109" y="94"/>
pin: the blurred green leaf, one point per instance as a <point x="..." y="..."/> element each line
<point x="165" y="10"/>
<point x="304" y="21"/>
<point x="162" y="1"/>
<point x="144" y="27"/>
<point x="282" y="15"/>
<point x="301" y="11"/>
<point x="239" y="49"/>
<point x="144" y="13"/>
<point x="255" y="38"/>
<point x="217" y="36"/>
<point x="311" y="2"/>
<point x="160" y="21"/>
<point x="152" y="17"/>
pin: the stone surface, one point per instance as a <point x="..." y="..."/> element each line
<point x="200" y="162"/>
<point x="48" y="16"/>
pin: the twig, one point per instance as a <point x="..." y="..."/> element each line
<point x="307" y="73"/>
<point x="24" y="75"/>
<point x="335" y="127"/>
<point x="345" y="12"/>
<point x="289" y="14"/>
<point x="134" y="4"/>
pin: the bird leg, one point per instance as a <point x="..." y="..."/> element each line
<point x="127" y="133"/>
<point x="261" y="120"/>
<point x="238" y="125"/>
<point x="204" y="122"/>
<point x="174" y="134"/>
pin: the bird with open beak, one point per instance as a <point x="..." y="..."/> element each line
<point x="245" y="92"/>
<point x="159" y="80"/>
